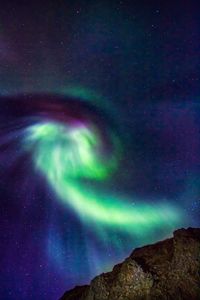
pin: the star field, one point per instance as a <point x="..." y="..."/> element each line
<point x="99" y="136"/>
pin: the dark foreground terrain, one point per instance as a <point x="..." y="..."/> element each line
<point x="166" y="270"/>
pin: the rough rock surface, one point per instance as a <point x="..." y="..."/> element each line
<point x="166" y="270"/>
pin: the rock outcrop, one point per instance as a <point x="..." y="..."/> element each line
<point x="169" y="269"/>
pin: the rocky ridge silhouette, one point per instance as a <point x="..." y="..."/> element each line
<point x="169" y="270"/>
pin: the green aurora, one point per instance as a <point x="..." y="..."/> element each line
<point x="69" y="154"/>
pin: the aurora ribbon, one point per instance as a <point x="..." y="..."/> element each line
<point x="68" y="154"/>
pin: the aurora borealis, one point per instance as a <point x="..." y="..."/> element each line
<point x="99" y="137"/>
<point x="66" y="154"/>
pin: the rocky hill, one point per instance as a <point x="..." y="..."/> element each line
<point x="166" y="270"/>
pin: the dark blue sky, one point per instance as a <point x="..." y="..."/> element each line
<point x="138" y="62"/>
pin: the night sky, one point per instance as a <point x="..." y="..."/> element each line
<point x="99" y="136"/>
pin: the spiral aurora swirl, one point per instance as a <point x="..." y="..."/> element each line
<point x="73" y="149"/>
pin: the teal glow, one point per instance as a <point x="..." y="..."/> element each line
<point x="88" y="95"/>
<point x="82" y="93"/>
